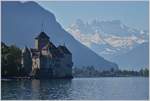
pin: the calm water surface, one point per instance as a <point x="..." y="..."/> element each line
<point x="78" y="88"/>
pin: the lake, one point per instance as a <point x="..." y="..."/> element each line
<point x="104" y="88"/>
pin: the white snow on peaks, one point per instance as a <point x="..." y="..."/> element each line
<point x="112" y="36"/>
<point x="86" y="39"/>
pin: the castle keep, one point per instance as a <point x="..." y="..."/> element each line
<point x="46" y="60"/>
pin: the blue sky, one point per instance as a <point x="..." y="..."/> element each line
<point x="133" y="14"/>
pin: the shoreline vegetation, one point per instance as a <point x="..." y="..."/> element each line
<point x="90" y="71"/>
<point x="11" y="67"/>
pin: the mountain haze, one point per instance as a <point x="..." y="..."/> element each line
<point x="115" y="41"/>
<point x="22" y="22"/>
<point x="134" y="59"/>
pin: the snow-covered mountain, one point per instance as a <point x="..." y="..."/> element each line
<point x="22" y="22"/>
<point x="108" y="38"/>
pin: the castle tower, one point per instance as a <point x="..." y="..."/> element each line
<point x="41" y="40"/>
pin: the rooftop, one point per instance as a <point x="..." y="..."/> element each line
<point x="63" y="49"/>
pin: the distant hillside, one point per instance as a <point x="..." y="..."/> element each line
<point x="135" y="59"/>
<point x="21" y="23"/>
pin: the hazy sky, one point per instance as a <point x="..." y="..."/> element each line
<point x="134" y="14"/>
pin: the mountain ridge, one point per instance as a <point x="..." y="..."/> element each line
<point x="24" y="20"/>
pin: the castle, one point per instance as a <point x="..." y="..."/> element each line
<point x="46" y="60"/>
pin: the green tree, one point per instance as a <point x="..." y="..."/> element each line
<point x="11" y="60"/>
<point x="146" y="72"/>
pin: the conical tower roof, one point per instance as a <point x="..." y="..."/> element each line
<point x="42" y="35"/>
